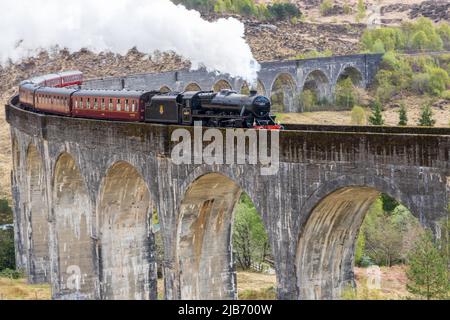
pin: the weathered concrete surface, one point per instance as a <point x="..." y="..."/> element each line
<point x="102" y="181"/>
<point x="288" y="77"/>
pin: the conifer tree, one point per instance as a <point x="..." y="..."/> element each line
<point x="427" y="270"/>
<point x="376" y="118"/>
<point x="403" y="117"/>
<point x="426" y="118"/>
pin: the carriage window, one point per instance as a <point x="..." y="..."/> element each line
<point x="119" y="107"/>
<point x="126" y="105"/>
<point x="133" y="106"/>
<point x="81" y="103"/>
<point x="88" y="103"/>
<point x="103" y="103"/>
<point x="76" y="104"/>
<point x="110" y="104"/>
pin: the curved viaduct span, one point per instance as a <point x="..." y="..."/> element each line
<point x="85" y="191"/>
<point x="290" y="78"/>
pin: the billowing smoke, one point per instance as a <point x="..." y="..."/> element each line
<point x="117" y="26"/>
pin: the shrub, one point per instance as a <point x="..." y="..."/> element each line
<point x="361" y="10"/>
<point x="358" y="116"/>
<point x="419" y="35"/>
<point x="325" y="7"/>
<point x="426" y="117"/>
<point x="347" y="8"/>
<point x="444" y="32"/>
<point x="439" y="80"/>
<point x="283" y="11"/>
<point x="11" y="273"/>
<point x="445" y="94"/>
<point x="420" y="83"/>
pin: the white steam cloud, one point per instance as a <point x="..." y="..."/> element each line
<point x="119" y="25"/>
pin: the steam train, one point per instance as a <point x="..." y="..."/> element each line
<point x="62" y="94"/>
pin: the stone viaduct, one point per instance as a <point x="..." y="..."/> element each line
<point x="85" y="191"/>
<point x="287" y="77"/>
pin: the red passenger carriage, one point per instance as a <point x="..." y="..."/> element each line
<point x="108" y="104"/>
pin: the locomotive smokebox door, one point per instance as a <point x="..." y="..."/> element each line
<point x="164" y="109"/>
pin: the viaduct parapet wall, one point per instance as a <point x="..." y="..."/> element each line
<point x="287" y="77"/>
<point x="85" y="192"/>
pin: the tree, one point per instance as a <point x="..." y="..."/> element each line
<point x="345" y="96"/>
<point x="6" y="214"/>
<point x="403" y="117"/>
<point x="250" y="240"/>
<point x="7" y="255"/>
<point x="376" y="117"/>
<point x="308" y="100"/>
<point x="426" y="117"/>
<point x="427" y="270"/>
<point x="383" y="239"/>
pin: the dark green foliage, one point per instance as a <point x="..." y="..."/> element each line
<point x="6" y="214"/>
<point x="11" y="273"/>
<point x="389" y="204"/>
<point x="403" y="117"/>
<point x="250" y="240"/>
<point x="275" y="11"/>
<point x="283" y="11"/>
<point x="427" y="270"/>
<point x="426" y="117"/>
<point x="7" y="255"/>
<point x="376" y="118"/>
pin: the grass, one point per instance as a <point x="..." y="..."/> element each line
<point x="251" y="286"/>
<point x="11" y="289"/>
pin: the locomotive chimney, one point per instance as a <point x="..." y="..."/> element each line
<point x="253" y="92"/>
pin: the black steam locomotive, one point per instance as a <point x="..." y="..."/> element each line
<point x="223" y="109"/>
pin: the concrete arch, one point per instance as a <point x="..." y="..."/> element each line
<point x="193" y="87"/>
<point x="73" y="225"/>
<point x="261" y="89"/>
<point x="245" y="88"/>
<point x="128" y="265"/>
<point x="284" y="93"/>
<point x="326" y="246"/>
<point x="318" y="82"/>
<point x="37" y="213"/>
<point x="165" y="89"/>
<point x="204" y="235"/>
<point x="354" y="74"/>
<point x="221" y="85"/>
